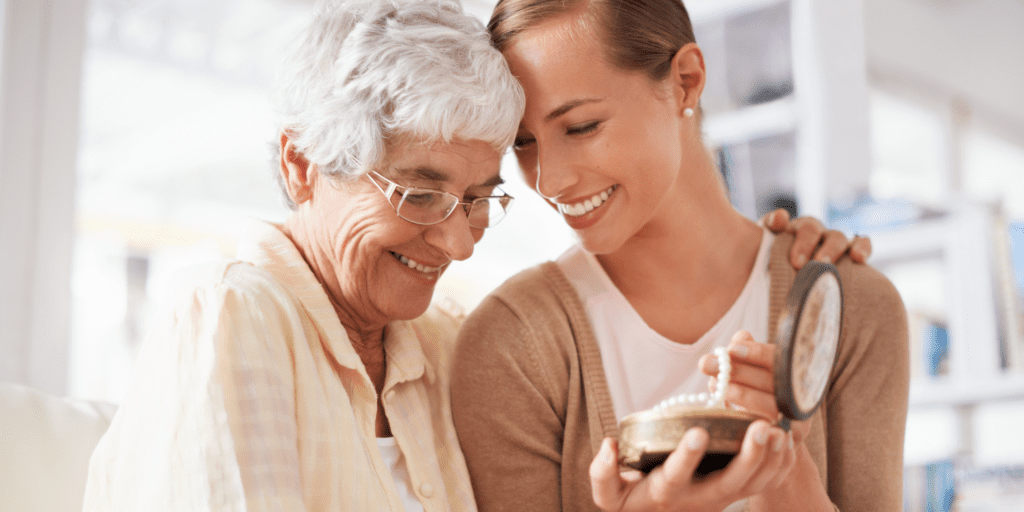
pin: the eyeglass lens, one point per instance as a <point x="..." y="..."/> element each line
<point x="427" y="207"/>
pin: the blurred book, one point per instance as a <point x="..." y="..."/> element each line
<point x="1008" y="262"/>
<point x="990" y="489"/>
<point x="935" y="340"/>
<point x="929" y="488"/>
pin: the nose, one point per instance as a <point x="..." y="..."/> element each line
<point x="554" y="173"/>
<point x="454" y="236"/>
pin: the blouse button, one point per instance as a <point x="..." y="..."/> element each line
<point x="427" y="490"/>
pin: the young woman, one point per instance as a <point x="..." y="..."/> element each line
<point x="665" y="271"/>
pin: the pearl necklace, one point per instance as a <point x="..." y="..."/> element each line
<point x="712" y="400"/>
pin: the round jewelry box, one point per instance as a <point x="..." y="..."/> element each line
<point x="806" y="347"/>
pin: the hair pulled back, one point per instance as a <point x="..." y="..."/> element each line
<point x="637" y="35"/>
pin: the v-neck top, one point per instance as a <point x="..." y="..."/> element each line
<point x="631" y="351"/>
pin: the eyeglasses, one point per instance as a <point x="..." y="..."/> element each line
<point x="425" y="207"/>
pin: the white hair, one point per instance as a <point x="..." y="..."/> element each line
<point x="368" y="71"/>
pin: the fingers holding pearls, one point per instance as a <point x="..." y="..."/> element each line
<point x="723" y="379"/>
<point x="721" y="388"/>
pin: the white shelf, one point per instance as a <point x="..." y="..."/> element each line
<point x="753" y="122"/>
<point x="949" y="391"/>
<point x="707" y="10"/>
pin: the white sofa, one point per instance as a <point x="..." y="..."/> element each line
<point x="45" y="444"/>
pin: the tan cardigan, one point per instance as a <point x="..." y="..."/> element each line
<point x="531" y="403"/>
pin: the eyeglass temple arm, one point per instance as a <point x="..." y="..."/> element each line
<point x="391" y="187"/>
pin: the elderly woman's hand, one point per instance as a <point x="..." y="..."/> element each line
<point x="815" y="242"/>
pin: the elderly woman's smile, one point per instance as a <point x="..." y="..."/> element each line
<point x="391" y="264"/>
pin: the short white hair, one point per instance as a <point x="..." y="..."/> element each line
<point x="368" y="71"/>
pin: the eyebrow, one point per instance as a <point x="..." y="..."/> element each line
<point x="429" y="174"/>
<point x="566" y="107"/>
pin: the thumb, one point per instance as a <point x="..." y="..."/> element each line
<point x="607" y="486"/>
<point x="683" y="461"/>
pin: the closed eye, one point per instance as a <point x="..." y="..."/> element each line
<point x="422" y="198"/>
<point x="582" y="129"/>
<point x="522" y="142"/>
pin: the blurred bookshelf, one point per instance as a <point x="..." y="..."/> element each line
<point x="959" y="273"/>
<point x="782" y="139"/>
<point x="787" y="123"/>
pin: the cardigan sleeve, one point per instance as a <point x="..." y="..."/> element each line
<point x="509" y="410"/>
<point x="866" y="404"/>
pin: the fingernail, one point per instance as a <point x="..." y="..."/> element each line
<point x="761" y="435"/>
<point x="778" y="443"/>
<point x="609" y="450"/>
<point x="694" y="438"/>
<point x="801" y="260"/>
<point x="710" y="363"/>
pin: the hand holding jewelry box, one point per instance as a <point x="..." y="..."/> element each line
<point x="806" y="345"/>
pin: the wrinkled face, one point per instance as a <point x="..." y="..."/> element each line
<point x="385" y="267"/>
<point x="601" y="144"/>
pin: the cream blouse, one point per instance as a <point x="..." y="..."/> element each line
<point x="247" y="395"/>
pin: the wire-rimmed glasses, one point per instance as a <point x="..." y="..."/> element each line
<point x="424" y="206"/>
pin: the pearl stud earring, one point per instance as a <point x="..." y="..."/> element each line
<point x="688" y="112"/>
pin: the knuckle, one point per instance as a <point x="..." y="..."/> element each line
<point x="810" y="227"/>
<point x="661" y="500"/>
<point x="865" y="243"/>
<point x="837" y="237"/>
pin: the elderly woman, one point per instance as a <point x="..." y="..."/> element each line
<point x="310" y="372"/>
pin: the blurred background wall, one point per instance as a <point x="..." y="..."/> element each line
<point x="134" y="134"/>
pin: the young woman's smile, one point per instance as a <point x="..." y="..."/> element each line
<point x="600" y="144"/>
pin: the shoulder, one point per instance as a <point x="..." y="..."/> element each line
<point x="226" y="307"/>
<point x="226" y="280"/>
<point x="868" y="295"/>
<point x="535" y="294"/>
<point x="875" y="333"/>
<point x="536" y="299"/>
<point x="865" y="289"/>
<point x="528" y="321"/>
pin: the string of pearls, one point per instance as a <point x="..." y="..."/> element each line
<point x="711" y="400"/>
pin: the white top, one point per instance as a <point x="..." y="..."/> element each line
<point x="394" y="460"/>
<point x="248" y="396"/>
<point x="641" y="366"/>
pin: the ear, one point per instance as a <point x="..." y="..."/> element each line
<point x="687" y="76"/>
<point x="295" y="172"/>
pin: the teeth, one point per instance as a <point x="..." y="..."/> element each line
<point x="575" y="210"/>
<point x="415" y="265"/>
